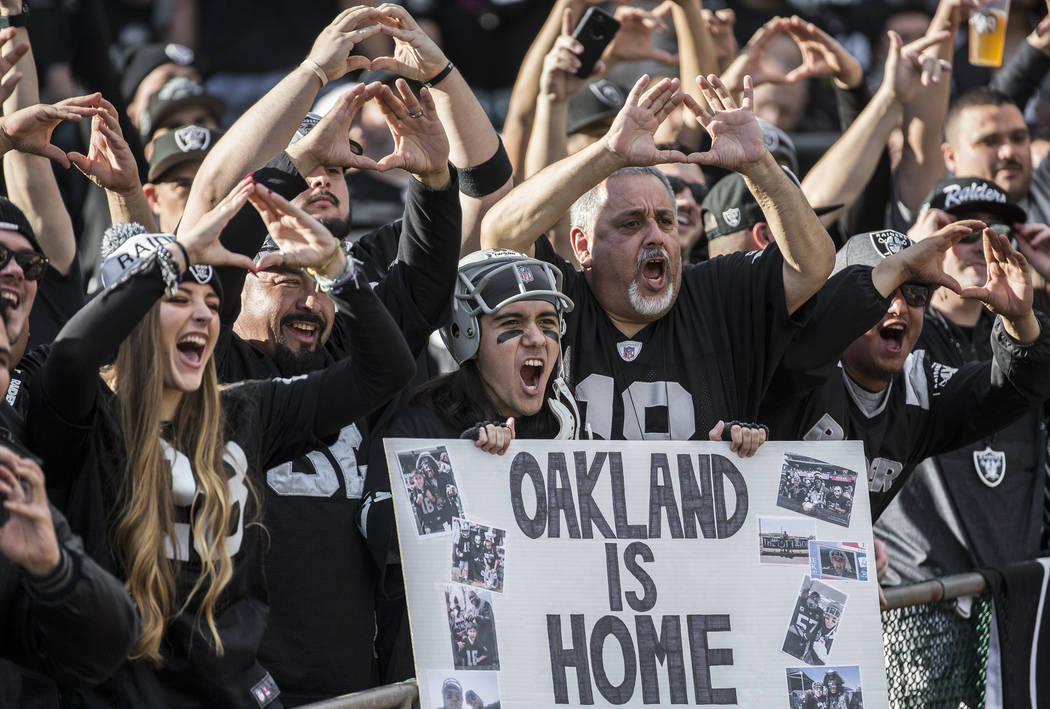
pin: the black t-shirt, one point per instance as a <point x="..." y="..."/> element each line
<point x="711" y="357"/>
<point x="58" y="297"/>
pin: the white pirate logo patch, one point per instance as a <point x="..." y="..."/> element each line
<point x="732" y="216"/>
<point x="629" y="350"/>
<point x="201" y="273"/>
<point x="192" y="138"/>
<point x="889" y="242"/>
<point x="990" y="465"/>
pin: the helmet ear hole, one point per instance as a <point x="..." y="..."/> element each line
<point x="455" y="330"/>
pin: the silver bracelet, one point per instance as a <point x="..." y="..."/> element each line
<point x="169" y="270"/>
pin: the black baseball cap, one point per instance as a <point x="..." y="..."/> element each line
<point x="14" y="219"/>
<point x="730" y="207"/>
<point x="141" y="59"/>
<point x="176" y="94"/>
<point x="598" y="99"/>
<point x="869" y="248"/>
<point x="179" y="146"/>
<point x="968" y="195"/>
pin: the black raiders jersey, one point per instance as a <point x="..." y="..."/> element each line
<point x="709" y="358"/>
<point x="930" y="407"/>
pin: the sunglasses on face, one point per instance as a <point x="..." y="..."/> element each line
<point x="974" y="236"/>
<point x="32" y="264"/>
<point x="698" y="190"/>
<point x="915" y="295"/>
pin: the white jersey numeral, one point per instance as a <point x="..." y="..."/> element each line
<point x="598" y="390"/>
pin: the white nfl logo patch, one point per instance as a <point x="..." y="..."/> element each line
<point x="192" y="138"/>
<point x="889" y="242"/>
<point x="201" y="273"/>
<point x="990" y="465"/>
<point x="732" y="216"/>
<point x="526" y="274"/>
<point x="629" y="350"/>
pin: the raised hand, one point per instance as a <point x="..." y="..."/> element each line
<point x="922" y="262"/>
<point x="744" y="438"/>
<point x="304" y="241"/>
<point x="822" y="56"/>
<point x="720" y="24"/>
<point x="29" y="130"/>
<point x="749" y="61"/>
<point x="28" y="538"/>
<point x="634" y="40"/>
<point x="331" y="49"/>
<point x="420" y="144"/>
<point x="908" y="69"/>
<point x="736" y="139"/>
<point x="416" y="56"/>
<point x="1033" y="241"/>
<point x="1008" y="291"/>
<point x="631" y="134"/>
<point x="8" y="60"/>
<point x="495" y="438"/>
<point x="201" y="240"/>
<point x="558" y="81"/>
<point x="109" y="162"/>
<point x="328" y="144"/>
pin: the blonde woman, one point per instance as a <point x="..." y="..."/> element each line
<point x="170" y="463"/>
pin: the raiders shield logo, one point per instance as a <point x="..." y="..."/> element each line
<point x="201" y="273"/>
<point x="990" y="466"/>
<point x="629" y="350"/>
<point x="732" y="216"/>
<point x="192" y="138"/>
<point x="889" y="242"/>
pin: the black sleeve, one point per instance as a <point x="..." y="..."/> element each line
<point x="850" y="103"/>
<point x="79" y="622"/>
<point x="300" y="411"/>
<point x="1021" y="75"/>
<point x="91" y="338"/>
<point x="981" y="398"/>
<point x="58" y="298"/>
<point x="418" y="289"/>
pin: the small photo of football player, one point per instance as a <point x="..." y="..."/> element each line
<point x="472" y="628"/>
<point x="814" y="622"/>
<point x="432" y="489"/>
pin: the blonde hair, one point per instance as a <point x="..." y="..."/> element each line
<point x="145" y="530"/>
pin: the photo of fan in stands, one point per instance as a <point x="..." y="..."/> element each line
<point x="817" y="489"/>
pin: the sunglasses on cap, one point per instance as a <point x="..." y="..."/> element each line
<point x="915" y="295"/>
<point x="698" y="190"/>
<point x="974" y="236"/>
<point x="32" y="264"/>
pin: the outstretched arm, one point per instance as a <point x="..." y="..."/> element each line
<point x="266" y="128"/>
<point x="30" y="182"/>
<point x="472" y="139"/>
<point x="845" y="169"/>
<point x="736" y="144"/>
<point x="534" y="206"/>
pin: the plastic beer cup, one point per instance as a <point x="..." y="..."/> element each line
<point x="988" y="32"/>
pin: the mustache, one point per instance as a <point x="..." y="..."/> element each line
<point x="1008" y="163"/>
<point x="303" y="317"/>
<point x="649" y="253"/>
<point x="326" y="194"/>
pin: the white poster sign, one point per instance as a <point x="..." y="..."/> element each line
<point x="628" y="573"/>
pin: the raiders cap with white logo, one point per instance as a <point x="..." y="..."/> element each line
<point x="730" y="207"/>
<point x="869" y="248"/>
<point x="971" y="195"/>
<point x="598" y="100"/>
<point x="179" y="146"/>
<point x="175" y="95"/>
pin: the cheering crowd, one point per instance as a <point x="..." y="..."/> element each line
<point x="222" y="277"/>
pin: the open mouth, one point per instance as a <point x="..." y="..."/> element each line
<point x="531" y="372"/>
<point x="10" y="298"/>
<point x="654" y="272"/>
<point x="191" y="349"/>
<point x="303" y="330"/>
<point x="893" y="337"/>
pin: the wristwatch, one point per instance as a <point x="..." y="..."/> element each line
<point x="20" y="20"/>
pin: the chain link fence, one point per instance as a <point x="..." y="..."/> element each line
<point x="937" y="649"/>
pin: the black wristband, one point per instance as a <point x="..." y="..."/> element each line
<point x="14" y="20"/>
<point x="185" y="254"/>
<point x="440" y="75"/>
<point x="487" y="177"/>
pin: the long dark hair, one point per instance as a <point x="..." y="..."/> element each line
<point x="460" y="399"/>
